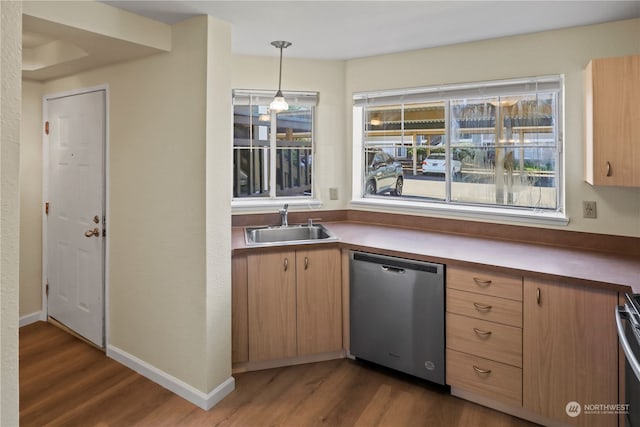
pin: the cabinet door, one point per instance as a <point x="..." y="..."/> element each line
<point x="613" y="121"/>
<point x="570" y="351"/>
<point x="272" y="306"/>
<point x="319" y="301"/>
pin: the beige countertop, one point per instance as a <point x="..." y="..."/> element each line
<point x="588" y="268"/>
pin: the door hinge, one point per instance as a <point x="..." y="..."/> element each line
<point x="46" y="128"/>
<point x="46" y="290"/>
<point x="46" y="208"/>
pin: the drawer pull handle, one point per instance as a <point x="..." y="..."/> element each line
<point x="483" y="283"/>
<point x="481" y="333"/>
<point x="306" y="263"/>
<point x="481" y="371"/>
<point x="482" y="307"/>
<point x="286" y="264"/>
<point x="538" y="296"/>
<point x="609" y="173"/>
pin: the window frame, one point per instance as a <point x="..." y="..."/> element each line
<point x="306" y="98"/>
<point x="446" y="94"/>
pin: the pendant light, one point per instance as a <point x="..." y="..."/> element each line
<point x="278" y="103"/>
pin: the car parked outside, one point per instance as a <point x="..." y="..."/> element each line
<point x="383" y="174"/>
<point x="435" y="163"/>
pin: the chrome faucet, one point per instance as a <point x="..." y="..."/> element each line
<point x="284" y="212"/>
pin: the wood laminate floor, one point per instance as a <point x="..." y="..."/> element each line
<point x="66" y="382"/>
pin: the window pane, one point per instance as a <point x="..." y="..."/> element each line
<point x="273" y="162"/>
<point x="383" y="144"/>
<point x="484" y="144"/>
<point x="425" y="131"/>
<point x="294" y="154"/>
<point x="409" y="133"/>
<point x="505" y="148"/>
<point x="250" y="151"/>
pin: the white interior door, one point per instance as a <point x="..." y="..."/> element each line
<point x="75" y="220"/>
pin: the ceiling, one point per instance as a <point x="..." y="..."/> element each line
<point x="351" y="29"/>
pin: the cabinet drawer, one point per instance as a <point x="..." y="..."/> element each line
<point x="485" y="377"/>
<point x="485" y="339"/>
<point x="485" y="282"/>
<point x="500" y="310"/>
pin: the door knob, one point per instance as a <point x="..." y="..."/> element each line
<point x="91" y="233"/>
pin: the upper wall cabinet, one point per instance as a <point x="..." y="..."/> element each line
<point x="612" y="151"/>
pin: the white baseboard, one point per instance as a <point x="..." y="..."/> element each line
<point x="204" y="400"/>
<point x="32" y="318"/>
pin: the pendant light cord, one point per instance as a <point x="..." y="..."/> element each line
<point x="280" y="74"/>
<point x="280" y="44"/>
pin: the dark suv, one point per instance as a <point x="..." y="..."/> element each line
<point x="383" y="174"/>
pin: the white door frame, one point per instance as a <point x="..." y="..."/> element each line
<point x="45" y="197"/>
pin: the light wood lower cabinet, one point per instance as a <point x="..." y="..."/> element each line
<point x="272" y="305"/>
<point x="549" y="344"/>
<point x="485" y="282"/>
<point x="292" y="304"/>
<point x="486" y="377"/>
<point x="493" y="309"/>
<point x="490" y="340"/>
<point x="570" y="351"/>
<point x="319" y="301"/>
<point x="484" y="333"/>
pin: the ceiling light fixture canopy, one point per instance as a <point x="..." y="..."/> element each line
<point x="279" y="103"/>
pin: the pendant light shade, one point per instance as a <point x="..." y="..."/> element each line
<point x="279" y="103"/>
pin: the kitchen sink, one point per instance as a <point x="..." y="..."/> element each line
<point x="287" y="235"/>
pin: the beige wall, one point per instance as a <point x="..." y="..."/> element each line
<point x="326" y="77"/>
<point x="10" y="62"/>
<point x="218" y="202"/>
<point x="555" y="52"/>
<point x="158" y="303"/>
<point x="31" y="199"/>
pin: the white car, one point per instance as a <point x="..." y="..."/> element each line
<point x="435" y="163"/>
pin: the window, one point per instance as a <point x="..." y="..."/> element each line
<point x="273" y="151"/>
<point x="492" y="146"/>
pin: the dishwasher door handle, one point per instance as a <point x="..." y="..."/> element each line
<point x="392" y="269"/>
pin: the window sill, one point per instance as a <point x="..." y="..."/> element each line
<point x="463" y="211"/>
<point x="267" y="205"/>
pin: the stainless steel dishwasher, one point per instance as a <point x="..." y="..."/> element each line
<point x="397" y="314"/>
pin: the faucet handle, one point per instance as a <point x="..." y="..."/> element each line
<point x="310" y="221"/>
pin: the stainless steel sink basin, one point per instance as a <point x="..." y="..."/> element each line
<point x="287" y="235"/>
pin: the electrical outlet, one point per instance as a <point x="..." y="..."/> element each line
<point x="333" y="193"/>
<point x="589" y="210"/>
